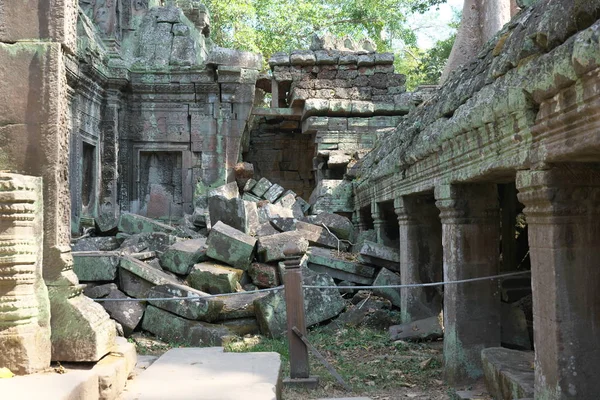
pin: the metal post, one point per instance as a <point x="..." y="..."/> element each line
<point x="294" y="300"/>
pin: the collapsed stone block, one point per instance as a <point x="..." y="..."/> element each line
<point x="269" y="211"/>
<point x="264" y="275"/>
<point x="380" y="255"/>
<point x="136" y="278"/>
<point x="284" y="224"/>
<point x="340" y="226"/>
<point x="509" y="374"/>
<point x="514" y="330"/>
<point x="210" y="310"/>
<point x="180" y="257"/>
<point x="261" y="187"/>
<point x="320" y="305"/>
<point x="127" y="313"/>
<point x="101" y="243"/>
<point x="214" y="278"/>
<point x="319" y="236"/>
<point x="272" y="247"/>
<point x="388" y="278"/>
<point x="175" y="329"/>
<point x="225" y="205"/>
<point x="249" y="185"/>
<point x="153" y="241"/>
<point x="133" y="223"/>
<point x="338" y="267"/>
<point x="287" y="199"/>
<point x="424" y="329"/>
<point x="93" y="266"/>
<point x="266" y="229"/>
<point x="273" y="193"/>
<point x="230" y="246"/>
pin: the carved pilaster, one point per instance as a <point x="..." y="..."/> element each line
<point x="562" y="206"/>
<point x="24" y="305"/>
<point x="470" y="237"/>
<point x="378" y="222"/>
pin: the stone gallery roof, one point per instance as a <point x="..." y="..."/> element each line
<point x="534" y="56"/>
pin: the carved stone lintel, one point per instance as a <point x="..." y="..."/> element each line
<point x="24" y="306"/>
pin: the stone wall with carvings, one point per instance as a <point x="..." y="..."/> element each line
<point x="158" y="111"/>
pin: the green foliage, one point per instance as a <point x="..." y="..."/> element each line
<point x="268" y="26"/>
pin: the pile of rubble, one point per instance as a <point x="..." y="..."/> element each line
<point x="233" y="246"/>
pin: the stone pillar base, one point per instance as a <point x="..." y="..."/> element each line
<point x="24" y="349"/>
<point x="81" y="329"/>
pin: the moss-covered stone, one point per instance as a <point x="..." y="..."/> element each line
<point x="214" y="278"/>
<point x="181" y="256"/>
<point x="230" y="246"/>
<point x="95" y="266"/>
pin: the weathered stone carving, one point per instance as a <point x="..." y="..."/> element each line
<point x="24" y="305"/>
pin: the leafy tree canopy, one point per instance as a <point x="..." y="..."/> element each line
<point x="268" y="26"/>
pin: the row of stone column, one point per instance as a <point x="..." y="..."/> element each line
<point x="456" y="230"/>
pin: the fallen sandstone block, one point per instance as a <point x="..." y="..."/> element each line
<point x="320" y="305"/>
<point x="230" y="246"/>
<point x="95" y="266"/>
<point x="319" y="236"/>
<point x="127" y="313"/>
<point x="264" y="275"/>
<point x="180" y="257"/>
<point x="388" y="278"/>
<point x="270" y="211"/>
<point x="380" y="255"/>
<point x="261" y="187"/>
<point x="271" y="248"/>
<point x="273" y="193"/>
<point x="133" y="223"/>
<point x="214" y="278"/>
<point x="423" y="329"/>
<point x="340" y="226"/>
<point x="136" y="278"/>
<point x="173" y="328"/>
<point x="329" y="262"/>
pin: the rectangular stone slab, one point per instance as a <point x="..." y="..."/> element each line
<point x="95" y="266"/>
<point x="180" y="257"/>
<point x="320" y="305"/>
<point x="388" y="278"/>
<point x="214" y="278"/>
<point x="331" y="259"/>
<point x="133" y="223"/>
<point x="230" y="246"/>
<point x="382" y="256"/>
<point x="209" y="371"/>
<point x="137" y="278"/>
<point x="341" y="275"/>
<point x="179" y="330"/>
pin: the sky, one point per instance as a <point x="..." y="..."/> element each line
<point x="433" y="25"/>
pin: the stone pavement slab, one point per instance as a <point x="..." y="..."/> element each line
<point x="208" y="374"/>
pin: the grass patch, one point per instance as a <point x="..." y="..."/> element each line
<point x="367" y="360"/>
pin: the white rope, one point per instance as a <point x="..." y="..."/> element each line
<point x="413" y="285"/>
<point x="409" y="285"/>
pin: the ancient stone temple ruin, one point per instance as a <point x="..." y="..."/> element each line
<point x="138" y="160"/>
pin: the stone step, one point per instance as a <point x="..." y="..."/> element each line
<point x="208" y="373"/>
<point x="104" y="380"/>
<point x="509" y="374"/>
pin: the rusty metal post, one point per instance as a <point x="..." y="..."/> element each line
<point x="294" y="300"/>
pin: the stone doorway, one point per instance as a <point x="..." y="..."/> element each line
<point x="160" y="184"/>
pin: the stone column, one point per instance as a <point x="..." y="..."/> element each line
<point x="34" y="102"/>
<point x="470" y="237"/>
<point x="24" y="304"/>
<point x="108" y="208"/>
<point x="378" y="222"/>
<point x="421" y="257"/>
<point x="562" y="206"/>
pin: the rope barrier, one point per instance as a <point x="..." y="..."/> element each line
<point x="409" y="285"/>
